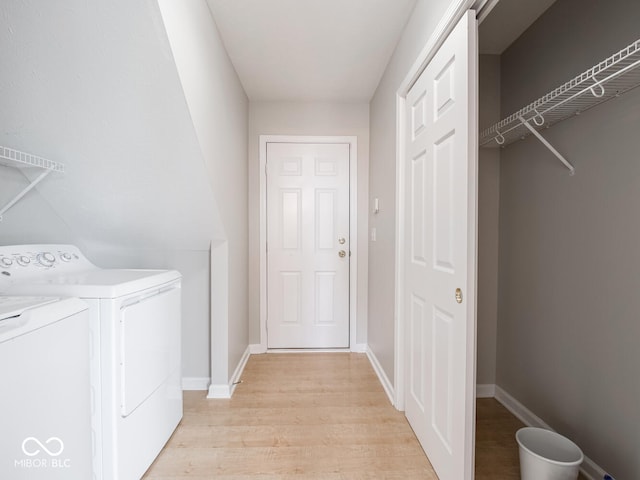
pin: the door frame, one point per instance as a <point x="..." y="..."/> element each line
<point x="352" y="141"/>
<point x="450" y="19"/>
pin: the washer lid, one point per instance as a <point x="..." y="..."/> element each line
<point x="96" y="283"/>
<point x="11" y="306"/>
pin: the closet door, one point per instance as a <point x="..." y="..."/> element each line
<point x="439" y="259"/>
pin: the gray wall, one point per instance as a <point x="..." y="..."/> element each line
<point x="488" y="232"/>
<point x="382" y="180"/>
<point x="568" y="306"/>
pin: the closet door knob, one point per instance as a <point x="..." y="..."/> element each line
<point x="458" y="295"/>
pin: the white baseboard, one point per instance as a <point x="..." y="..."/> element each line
<point x="384" y="380"/>
<point x="308" y="350"/>
<point x="195" y="383"/>
<point x="589" y="468"/>
<point x="525" y="415"/>
<point x="257" y="349"/>
<point x="219" y="391"/>
<point x="226" y="391"/>
<point x="486" y="390"/>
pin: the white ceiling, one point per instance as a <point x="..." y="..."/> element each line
<point x="335" y="50"/>
<point x="507" y="21"/>
<point x="304" y="50"/>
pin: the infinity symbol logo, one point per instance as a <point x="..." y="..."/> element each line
<point x="30" y="441"/>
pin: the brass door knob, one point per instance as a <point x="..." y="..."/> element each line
<point x="458" y="295"/>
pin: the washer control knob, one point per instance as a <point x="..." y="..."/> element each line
<point x="66" y="257"/>
<point x="23" y="260"/>
<point x="6" y="262"/>
<point x="46" y="259"/>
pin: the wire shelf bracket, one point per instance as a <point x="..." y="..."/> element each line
<point x="608" y="79"/>
<point x="18" y="159"/>
<point x="544" y="141"/>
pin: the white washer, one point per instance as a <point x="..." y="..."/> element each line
<point x="45" y="412"/>
<point x="135" y="323"/>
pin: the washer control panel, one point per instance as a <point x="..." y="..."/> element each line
<point x="26" y="260"/>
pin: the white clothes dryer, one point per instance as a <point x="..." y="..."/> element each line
<point x="135" y="325"/>
<point x="45" y="412"/>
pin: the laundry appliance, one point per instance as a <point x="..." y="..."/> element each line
<point x="45" y="412"/>
<point x="135" y="325"/>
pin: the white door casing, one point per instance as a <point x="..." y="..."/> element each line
<point x="307" y="245"/>
<point x="439" y="254"/>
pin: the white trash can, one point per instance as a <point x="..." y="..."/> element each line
<point x="546" y="455"/>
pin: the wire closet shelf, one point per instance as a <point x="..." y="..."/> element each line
<point x="608" y="79"/>
<point x="17" y="159"/>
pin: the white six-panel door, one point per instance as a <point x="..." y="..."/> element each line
<point x="439" y="260"/>
<point x="307" y="245"/>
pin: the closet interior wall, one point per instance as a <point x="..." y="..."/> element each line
<point x="568" y="265"/>
<point x="488" y="225"/>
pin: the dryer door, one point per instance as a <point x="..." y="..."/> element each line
<point x="149" y="345"/>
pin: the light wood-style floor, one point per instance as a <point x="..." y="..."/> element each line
<point x="496" y="446"/>
<point x="314" y="416"/>
<point x="295" y="416"/>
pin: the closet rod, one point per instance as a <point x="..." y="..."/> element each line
<point x="608" y="79"/>
<point x="597" y="86"/>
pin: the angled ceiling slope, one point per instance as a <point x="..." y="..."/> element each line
<point x="306" y="50"/>
<point x="98" y="91"/>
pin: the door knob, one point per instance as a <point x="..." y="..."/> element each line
<point x="458" y="295"/>
<point x="341" y="240"/>
<point x="342" y="253"/>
